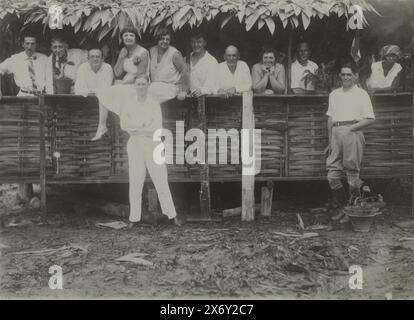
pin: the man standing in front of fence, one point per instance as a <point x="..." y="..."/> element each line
<point x="349" y="112"/>
<point x="29" y="71"/>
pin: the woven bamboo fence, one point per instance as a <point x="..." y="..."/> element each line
<point x="293" y="137"/>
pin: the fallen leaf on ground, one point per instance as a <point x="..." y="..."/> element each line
<point x="135" y="258"/>
<point x="113" y="225"/>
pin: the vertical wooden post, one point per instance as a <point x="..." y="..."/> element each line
<point x="248" y="177"/>
<point x="204" y="172"/>
<point x="152" y="199"/>
<point x="42" y="115"/>
<point x="266" y="199"/>
<point x="289" y="66"/>
<point x="412" y="181"/>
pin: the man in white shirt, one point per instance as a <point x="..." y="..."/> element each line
<point x="233" y="75"/>
<point x="63" y="63"/>
<point x="303" y="71"/>
<point x="28" y="68"/>
<point x="350" y="110"/>
<point x="92" y="76"/>
<point x="203" y="68"/>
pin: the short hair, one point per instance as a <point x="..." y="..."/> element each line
<point x="267" y="49"/>
<point x="95" y="48"/>
<point x="59" y="38"/>
<point x="28" y="34"/>
<point x="301" y="43"/>
<point x="350" y="65"/>
<point x="130" y="29"/>
<point x="198" y="35"/>
<point x="162" y="32"/>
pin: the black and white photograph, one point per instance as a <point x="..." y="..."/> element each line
<point x="195" y="150"/>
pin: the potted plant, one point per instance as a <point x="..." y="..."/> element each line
<point x="364" y="209"/>
<point x="63" y="84"/>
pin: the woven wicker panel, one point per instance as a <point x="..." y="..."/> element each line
<point x="224" y="114"/>
<point x="19" y="139"/>
<point x="389" y="142"/>
<point x="271" y="119"/>
<point x="72" y="123"/>
<point x="308" y="137"/>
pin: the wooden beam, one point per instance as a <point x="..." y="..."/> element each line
<point x="152" y="199"/>
<point x="266" y="199"/>
<point x="248" y="177"/>
<point x="289" y="65"/>
<point x="42" y="115"/>
<point x="412" y="177"/>
<point x="204" y="171"/>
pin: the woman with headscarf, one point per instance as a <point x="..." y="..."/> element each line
<point x="386" y="73"/>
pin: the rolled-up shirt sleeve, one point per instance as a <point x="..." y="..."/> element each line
<point x="367" y="109"/>
<point x="6" y="65"/>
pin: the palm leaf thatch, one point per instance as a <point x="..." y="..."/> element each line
<point x="109" y="16"/>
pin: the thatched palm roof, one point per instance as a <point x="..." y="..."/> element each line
<point x="108" y="16"/>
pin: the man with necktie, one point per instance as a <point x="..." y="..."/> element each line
<point x="28" y="68"/>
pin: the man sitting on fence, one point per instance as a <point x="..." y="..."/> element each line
<point x="62" y="66"/>
<point x="93" y="75"/>
<point x="28" y="68"/>
<point x="233" y="75"/>
<point x="350" y="110"/>
<point x="203" y="67"/>
<point x="303" y="71"/>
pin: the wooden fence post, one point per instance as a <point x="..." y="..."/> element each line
<point x="248" y="177"/>
<point x="204" y="172"/>
<point x="266" y="199"/>
<point x="42" y="115"/>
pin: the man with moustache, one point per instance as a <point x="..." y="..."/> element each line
<point x="28" y="68"/>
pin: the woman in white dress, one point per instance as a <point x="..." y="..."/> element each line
<point x="140" y="115"/>
<point x="133" y="61"/>
<point x="386" y="73"/>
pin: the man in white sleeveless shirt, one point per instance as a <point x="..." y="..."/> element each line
<point x="169" y="73"/>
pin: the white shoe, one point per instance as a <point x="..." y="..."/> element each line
<point x="99" y="134"/>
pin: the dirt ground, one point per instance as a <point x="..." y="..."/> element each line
<point x="270" y="258"/>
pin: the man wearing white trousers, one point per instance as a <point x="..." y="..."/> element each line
<point x="140" y="115"/>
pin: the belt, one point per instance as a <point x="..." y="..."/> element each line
<point x="344" y="123"/>
<point x="35" y="92"/>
